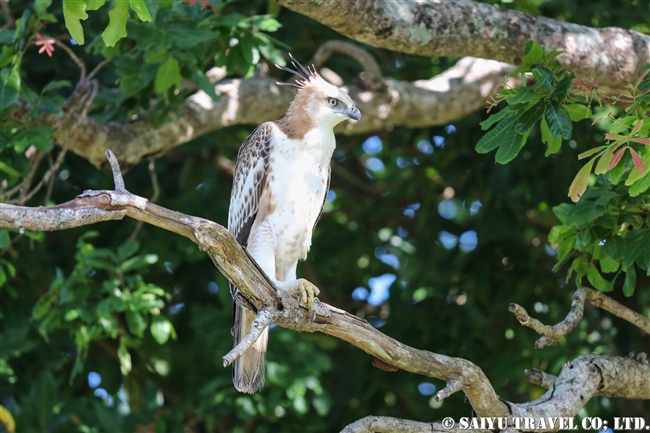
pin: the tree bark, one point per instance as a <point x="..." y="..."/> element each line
<point x="450" y="96"/>
<point x="612" y="57"/>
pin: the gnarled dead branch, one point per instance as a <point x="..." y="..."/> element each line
<point x="577" y="383"/>
<point x="599" y="299"/>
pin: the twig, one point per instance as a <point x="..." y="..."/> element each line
<point x="98" y="68"/>
<point x="117" y="172"/>
<point x="541" y="378"/>
<point x="452" y="387"/>
<point x="9" y="19"/>
<point x="24" y="184"/>
<point x="154" y="197"/>
<point x="73" y="56"/>
<point x="50" y="184"/>
<point x="373" y="79"/>
<point x="264" y="318"/>
<point x="552" y="333"/>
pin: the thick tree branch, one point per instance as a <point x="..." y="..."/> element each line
<point x="577" y="383"/>
<point x="612" y="57"/>
<point x="450" y="96"/>
<point x="385" y="424"/>
<point x="599" y="299"/>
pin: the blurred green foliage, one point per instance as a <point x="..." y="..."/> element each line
<point x="422" y="236"/>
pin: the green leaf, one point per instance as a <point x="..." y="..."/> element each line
<point x="492" y="139"/>
<point x="93" y="5"/>
<point x="46" y="398"/>
<point x="530" y="117"/>
<point x="628" y="249"/>
<point x="584" y="213"/>
<point x="511" y="144"/>
<point x="630" y="281"/>
<point x="125" y="357"/>
<point x="578" y="112"/>
<point x="583" y="240"/>
<point x="127" y="249"/>
<point x="9" y="88"/>
<point x="40" y="6"/>
<point x="534" y="53"/>
<point x="607" y="264"/>
<point x="562" y="88"/>
<point x="73" y="12"/>
<point x="557" y="233"/>
<point x="117" y="18"/>
<point x="161" y="329"/>
<point x="37" y="136"/>
<point x="524" y="95"/>
<point x="138" y="262"/>
<point x="562" y="211"/>
<point x="597" y="280"/>
<point x="590" y="152"/>
<point x="169" y="74"/>
<point x="552" y="142"/>
<point x="558" y="121"/>
<point x="494" y="118"/>
<point x="140" y="8"/>
<point x="55" y="85"/>
<point x="581" y="181"/>
<point x="640" y="186"/>
<point x="136" y="323"/>
<point x="543" y="78"/>
<point x="565" y="251"/>
<point x="204" y="84"/>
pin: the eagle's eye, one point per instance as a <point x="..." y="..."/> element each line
<point x="333" y="102"/>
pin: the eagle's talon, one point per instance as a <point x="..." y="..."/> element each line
<point x="307" y="293"/>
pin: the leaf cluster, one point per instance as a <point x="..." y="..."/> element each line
<point x="609" y="224"/>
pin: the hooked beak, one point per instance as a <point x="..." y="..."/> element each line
<point x="355" y="114"/>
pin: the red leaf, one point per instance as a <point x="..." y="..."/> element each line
<point x="617" y="157"/>
<point x="578" y="83"/>
<point x="642" y="140"/>
<point x="614" y="137"/>
<point x="613" y="149"/>
<point x="638" y="163"/>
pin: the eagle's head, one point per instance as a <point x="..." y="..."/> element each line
<point x="320" y="101"/>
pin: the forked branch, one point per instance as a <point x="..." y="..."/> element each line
<point x="599" y="299"/>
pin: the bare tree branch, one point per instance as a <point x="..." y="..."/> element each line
<point x="612" y="57"/>
<point x="578" y="381"/>
<point x="599" y="299"/>
<point x="385" y="424"/>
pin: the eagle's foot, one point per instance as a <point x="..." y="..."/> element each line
<point x="305" y="290"/>
<point x="307" y="293"/>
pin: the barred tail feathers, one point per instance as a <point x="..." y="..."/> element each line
<point x="248" y="370"/>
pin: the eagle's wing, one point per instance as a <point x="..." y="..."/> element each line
<point x="249" y="180"/>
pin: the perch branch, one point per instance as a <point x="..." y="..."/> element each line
<point x="552" y="333"/>
<point x="578" y="381"/>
